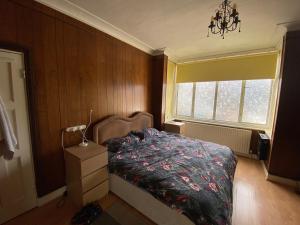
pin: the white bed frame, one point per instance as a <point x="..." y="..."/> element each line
<point x="141" y="200"/>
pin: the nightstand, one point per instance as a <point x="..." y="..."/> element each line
<point x="86" y="173"/>
<point x="174" y="127"/>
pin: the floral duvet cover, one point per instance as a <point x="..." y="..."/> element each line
<point x="191" y="176"/>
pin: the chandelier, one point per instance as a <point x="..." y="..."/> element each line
<point x="225" y="20"/>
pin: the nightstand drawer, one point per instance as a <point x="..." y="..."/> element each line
<point x="93" y="179"/>
<point x="92" y="164"/>
<point x="96" y="193"/>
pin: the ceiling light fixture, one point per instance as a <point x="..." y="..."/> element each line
<point x="225" y="20"/>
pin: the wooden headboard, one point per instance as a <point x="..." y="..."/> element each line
<point x="116" y="126"/>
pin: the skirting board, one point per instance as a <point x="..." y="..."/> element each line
<point x="51" y="196"/>
<point x="250" y="156"/>
<point x="281" y="180"/>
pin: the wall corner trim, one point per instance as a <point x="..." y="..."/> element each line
<point x="51" y="196"/>
<point x="280" y="180"/>
<point x="70" y="9"/>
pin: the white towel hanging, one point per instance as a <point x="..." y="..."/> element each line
<point x="7" y="129"/>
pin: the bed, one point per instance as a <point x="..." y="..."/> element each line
<point x="169" y="178"/>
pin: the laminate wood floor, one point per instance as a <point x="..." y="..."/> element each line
<point x="261" y="202"/>
<point x="256" y="202"/>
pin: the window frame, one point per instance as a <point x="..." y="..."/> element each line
<point x="238" y="124"/>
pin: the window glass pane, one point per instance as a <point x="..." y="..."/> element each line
<point x="184" y="99"/>
<point x="228" y="100"/>
<point x="204" y="100"/>
<point x="256" y="101"/>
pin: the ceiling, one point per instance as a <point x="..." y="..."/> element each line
<point x="180" y="26"/>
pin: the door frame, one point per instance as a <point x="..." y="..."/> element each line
<point x="30" y="101"/>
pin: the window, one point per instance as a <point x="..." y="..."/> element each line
<point x="256" y="101"/>
<point x="228" y="101"/>
<point x="204" y="100"/>
<point x="184" y="99"/>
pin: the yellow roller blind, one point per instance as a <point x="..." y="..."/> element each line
<point x="251" y="67"/>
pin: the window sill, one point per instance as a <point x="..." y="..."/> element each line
<point x="227" y="124"/>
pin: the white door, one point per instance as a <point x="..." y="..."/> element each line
<point x="17" y="186"/>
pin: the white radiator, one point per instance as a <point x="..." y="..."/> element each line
<point x="237" y="139"/>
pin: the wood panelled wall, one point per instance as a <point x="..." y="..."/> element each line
<point x="159" y="82"/>
<point x="74" y="68"/>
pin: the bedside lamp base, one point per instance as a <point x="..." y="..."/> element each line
<point x="83" y="144"/>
